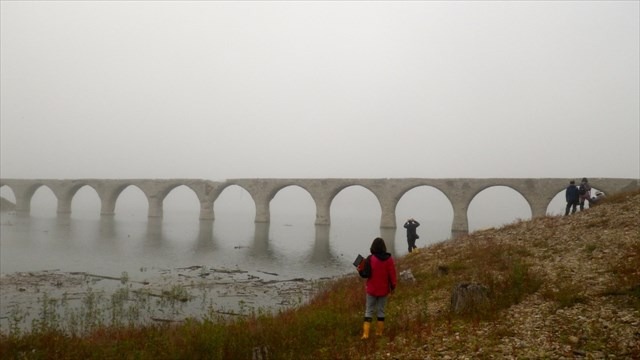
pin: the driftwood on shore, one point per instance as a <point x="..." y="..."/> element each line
<point x="121" y="279"/>
<point x="268" y="273"/>
<point x="163" y="295"/>
<point x="226" y="313"/>
<point x="279" y="281"/>
<point x="164" y="320"/>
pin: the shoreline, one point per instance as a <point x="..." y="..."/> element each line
<point x="165" y="295"/>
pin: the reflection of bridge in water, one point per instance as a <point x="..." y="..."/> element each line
<point x="205" y="241"/>
<point x="460" y="192"/>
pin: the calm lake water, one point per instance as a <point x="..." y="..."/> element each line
<point x="110" y="246"/>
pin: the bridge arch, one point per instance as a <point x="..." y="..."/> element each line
<point x="354" y="207"/>
<point x="125" y="195"/>
<point x="78" y="203"/>
<point x="23" y="193"/>
<point x="8" y="194"/>
<point x="433" y="191"/>
<point x="365" y="195"/>
<point x="45" y="201"/>
<point x="497" y="205"/>
<point x="234" y="198"/>
<point x="430" y="206"/>
<point x="292" y="197"/>
<point x="65" y="194"/>
<point x="109" y="195"/>
<point x="157" y="191"/>
<point x="265" y="200"/>
<point x="523" y="189"/>
<point x="180" y="199"/>
<point x="292" y="214"/>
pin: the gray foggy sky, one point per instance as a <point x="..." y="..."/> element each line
<point x="216" y="90"/>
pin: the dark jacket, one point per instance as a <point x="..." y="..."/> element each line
<point x="572" y="194"/>
<point x="411" y="229"/>
<point x="383" y="275"/>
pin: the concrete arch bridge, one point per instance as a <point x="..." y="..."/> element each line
<point x="460" y="192"/>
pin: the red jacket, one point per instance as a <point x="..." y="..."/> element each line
<point x="383" y="275"/>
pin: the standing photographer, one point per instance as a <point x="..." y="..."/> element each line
<point x="412" y="235"/>
<point x="381" y="281"/>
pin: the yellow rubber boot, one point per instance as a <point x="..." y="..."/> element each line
<point x="365" y="330"/>
<point x="379" y="328"/>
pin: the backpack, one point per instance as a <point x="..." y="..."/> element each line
<point x="582" y="190"/>
<point x="364" y="270"/>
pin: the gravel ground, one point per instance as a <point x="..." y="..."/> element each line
<point x="592" y="256"/>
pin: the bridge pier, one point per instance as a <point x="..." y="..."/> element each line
<point x="323" y="207"/>
<point x="23" y="205"/>
<point x="539" y="207"/>
<point x="107" y="213"/>
<point x="23" y="193"/>
<point x="389" y="236"/>
<point x="155" y="207"/>
<point x="108" y="193"/>
<point x="262" y="212"/>
<point x="321" y="246"/>
<point x="63" y="218"/>
<point x="388" y="215"/>
<point x="460" y="224"/>
<point x="64" y="206"/>
<point x="206" y="212"/>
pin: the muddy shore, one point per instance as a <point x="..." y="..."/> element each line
<point x="152" y="296"/>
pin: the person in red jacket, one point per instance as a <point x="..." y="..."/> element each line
<point x="380" y="283"/>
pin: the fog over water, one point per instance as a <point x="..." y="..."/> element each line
<point x="290" y="243"/>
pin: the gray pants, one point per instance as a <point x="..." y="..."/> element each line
<point x="375" y="304"/>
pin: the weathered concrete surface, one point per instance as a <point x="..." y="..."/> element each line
<point x="537" y="192"/>
<point x="6" y="205"/>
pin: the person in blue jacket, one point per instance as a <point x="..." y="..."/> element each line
<point x="572" y="195"/>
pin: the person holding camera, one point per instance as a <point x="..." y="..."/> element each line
<point x="412" y="234"/>
<point x="381" y="281"/>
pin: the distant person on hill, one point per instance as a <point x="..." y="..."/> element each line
<point x="412" y="234"/>
<point x="585" y="193"/>
<point x="572" y="195"/>
<point x="381" y="282"/>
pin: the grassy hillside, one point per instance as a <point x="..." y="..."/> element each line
<point x="558" y="287"/>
